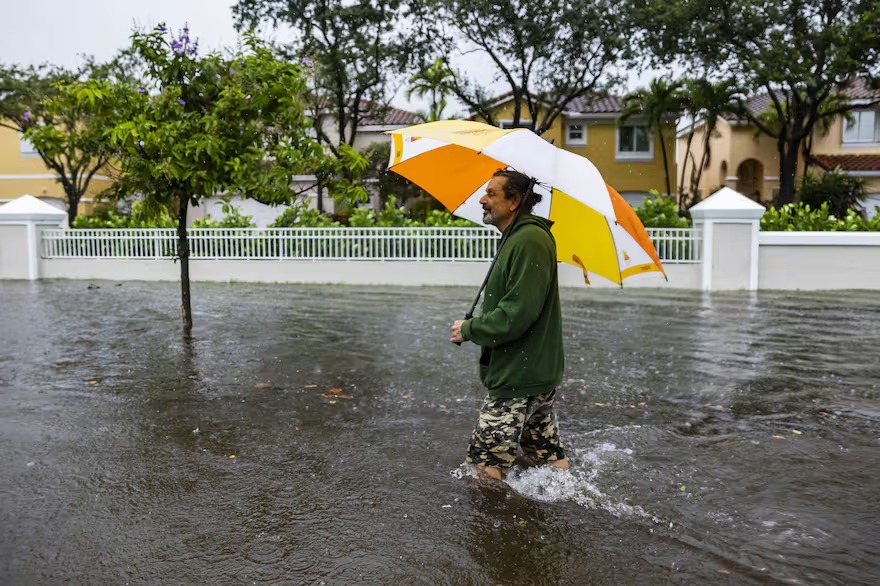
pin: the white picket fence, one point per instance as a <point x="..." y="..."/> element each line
<point x="674" y="245"/>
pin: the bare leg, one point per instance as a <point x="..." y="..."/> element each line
<point x="493" y="472"/>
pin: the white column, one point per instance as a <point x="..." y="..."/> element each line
<point x="21" y="224"/>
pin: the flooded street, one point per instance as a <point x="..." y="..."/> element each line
<point x="316" y="434"/>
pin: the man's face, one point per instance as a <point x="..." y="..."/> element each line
<point x="497" y="210"/>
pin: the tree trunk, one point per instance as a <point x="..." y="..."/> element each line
<point x="788" y="160"/>
<point x="683" y="170"/>
<point x="665" y="160"/>
<point x="72" y="207"/>
<point x="183" y="256"/>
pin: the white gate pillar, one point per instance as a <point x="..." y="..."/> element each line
<point x="21" y="224"/>
<point x="730" y="223"/>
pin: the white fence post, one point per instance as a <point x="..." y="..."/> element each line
<point x="730" y="223"/>
<point x="21" y="224"/>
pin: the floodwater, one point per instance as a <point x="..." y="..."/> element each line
<point x="316" y="434"/>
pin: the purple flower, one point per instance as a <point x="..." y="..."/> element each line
<point x="175" y="45"/>
<point x="181" y="101"/>
<point x="26" y="116"/>
<point x="232" y="71"/>
<point x="161" y="28"/>
<point x="270" y="129"/>
<point x="141" y="90"/>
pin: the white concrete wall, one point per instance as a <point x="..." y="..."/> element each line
<point x="819" y="260"/>
<point x="405" y="273"/>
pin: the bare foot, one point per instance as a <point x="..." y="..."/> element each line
<point x="561" y="464"/>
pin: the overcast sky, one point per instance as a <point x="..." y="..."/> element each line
<point x="60" y="31"/>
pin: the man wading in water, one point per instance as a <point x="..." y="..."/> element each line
<point x="519" y="331"/>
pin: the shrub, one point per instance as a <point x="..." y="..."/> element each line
<point x="660" y="211"/>
<point x="801" y="216"/>
<point x="302" y="217"/>
<point x="232" y="218"/>
<point x="140" y="217"/>
<point x="840" y="191"/>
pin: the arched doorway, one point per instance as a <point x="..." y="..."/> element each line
<point x="750" y="179"/>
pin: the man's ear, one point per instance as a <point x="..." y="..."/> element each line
<point x="515" y="202"/>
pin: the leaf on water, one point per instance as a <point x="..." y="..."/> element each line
<point x="261" y="386"/>
<point x="682" y="488"/>
<point x="778" y="436"/>
<point x="232" y="456"/>
<point x="797" y="432"/>
<point x="600" y="404"/>
<point x="332" y="402"/>
<point x="334" y="390"/>
<point x="727" y="572"/>
<point x="93" y="382"/>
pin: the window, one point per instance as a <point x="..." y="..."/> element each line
<point x="508" y="124"/>
<point x="27" y="147"/>
<point x="634" y="143"/>
<point x="863" y="128"/>
<point x="576" y="133"/>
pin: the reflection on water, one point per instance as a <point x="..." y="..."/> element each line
<point x="315" y="434"/>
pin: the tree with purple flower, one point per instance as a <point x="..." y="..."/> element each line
<point x="242" y="130"/>
<point x="64" y="127"/>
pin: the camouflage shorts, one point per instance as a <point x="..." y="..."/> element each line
<point x="528" y="423"/>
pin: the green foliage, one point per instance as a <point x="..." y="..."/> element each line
<point x="362" y="218"/>
<point x="443" y="219"/>
<point x="212" y="124"/>
<point x="141" y="216"/>
<point x="65" y="123"/>
<point x="800" y="216"/>
<point x="232" y="218"/>
<point x="302" y="217"/>
<point x="842" y="192"/>
<point x="661" y="212"/>
<point x="392" y="215"/>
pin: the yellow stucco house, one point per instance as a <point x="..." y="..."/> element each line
<point x="22" y="172"/>
<point x="627" y="155"/>
<point x="748" y="162"/>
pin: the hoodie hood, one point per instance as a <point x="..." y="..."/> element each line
<point x="527" y="219"/>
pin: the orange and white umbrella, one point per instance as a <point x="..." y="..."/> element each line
<point x="594" y="227"/>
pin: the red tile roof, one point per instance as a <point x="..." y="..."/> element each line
<point x="849" y="162"/>
<point x="389" y="116"/>
<point x="857" y="89"/>
<point x="609" y="104"/>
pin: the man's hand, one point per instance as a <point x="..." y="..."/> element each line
<point x="456" y="332"/>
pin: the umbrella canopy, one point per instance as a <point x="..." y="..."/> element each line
<point x="594" y="227"/>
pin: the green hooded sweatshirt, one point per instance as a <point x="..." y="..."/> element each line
<point x="520" y="324"/>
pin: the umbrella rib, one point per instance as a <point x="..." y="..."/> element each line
<point x="611" y="233"/>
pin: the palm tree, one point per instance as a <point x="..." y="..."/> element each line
<point x="655" y="104"/>
<point x="707" y="101"/>
<point x="433" y="82"/>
